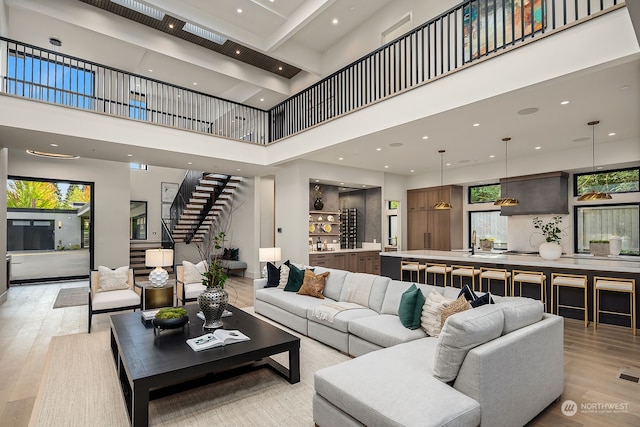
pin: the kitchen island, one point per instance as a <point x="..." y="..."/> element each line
<point x="622" y="266"/>
<point x="359" y="260"/>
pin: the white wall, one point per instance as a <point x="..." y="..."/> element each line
<point x="4" y="154"/>
<point x="145" y="187"/>
<point x="111" y="204"/>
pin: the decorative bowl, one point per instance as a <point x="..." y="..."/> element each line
<point x="176" y="322"/>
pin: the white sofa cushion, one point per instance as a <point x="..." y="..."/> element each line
<point x="342" y="319"/>
<point x="357" y="288"/>
<point x="333" y="286"/>
<point x="462" y="332"/>
<point x="384" y="330"/>
<point x="519" y="312"/>
<point x="290" y="302"/>
<point x="394" y="387"/>
<point x="114" y="299"/>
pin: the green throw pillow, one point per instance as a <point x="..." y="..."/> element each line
<point x="296" y="277"/>
<point x="410" y="308"/>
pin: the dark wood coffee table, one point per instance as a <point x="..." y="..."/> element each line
<point x="145" y="361"/>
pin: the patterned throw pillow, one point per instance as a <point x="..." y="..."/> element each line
<point x="313" y="284"/>
<point x="284" y="276"/>
<point x="432" y="313"/>
<point x="111" y="280"/>
<point x="193" y="272"/>
<point x="459" y="305"/>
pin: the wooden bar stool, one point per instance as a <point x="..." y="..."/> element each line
<point x="411" y="267"/>
<point x="559" y="280"/>
<point x="462" y="271"/>
<point x="490" y="274"/>
<point x="614" y="284"/>
<point x="437" y="269"/>
<point x="530" y="277"/>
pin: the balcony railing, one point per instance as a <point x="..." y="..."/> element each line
<point x="469" y="32"/>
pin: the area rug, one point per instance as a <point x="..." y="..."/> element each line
<point x="80" y="388"/>
<point x="71" y="297"/>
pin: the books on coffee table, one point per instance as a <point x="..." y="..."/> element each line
<point x="217" y="338"/>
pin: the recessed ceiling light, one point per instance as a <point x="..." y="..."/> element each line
<point x="54" y="41"/>
<point x="599" y="167"/>
<point x="492" y="156"/>
<point x="378" y="149"/>
<point x="363" y="185"/>
<point x="564" y="102"/>
<point x="261" y="99"/>
<point x="150" y="70"/>
<point x="280" y="68"/>
<point x="425" y="137"/>
<point x="238" y="170"/>
<point x="386" y="166"/>
<point x="537" y="148"/>
<point x="476" y="125"/>
<point x="340" y="158"/>
<point x="54" y="145"/>
<point x="195" y="83"/>
<point x="237" y="52"/>
<point x="171" y="26"/>
<point x="526" y="111"/>
<point x="239" y="10"/>
<point x="412" y="171"/>
<point x="447" y="164"/>
<point x="189" y="163"/>
<point x="52" y="155"/>
<point x="317" y="180"/>
<point x="129" y="155"/>
<point x="342" y="183"/>
<point x="612" y="134"/>
<point x="334" y="21"/>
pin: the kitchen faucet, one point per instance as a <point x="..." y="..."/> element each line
<point x="473" y="242"/>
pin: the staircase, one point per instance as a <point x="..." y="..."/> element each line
<point x="137" y="250"/>
<point x="199" y="204"/>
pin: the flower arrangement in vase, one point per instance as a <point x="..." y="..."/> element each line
<point x="550" y="249"/>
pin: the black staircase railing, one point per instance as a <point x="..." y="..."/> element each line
<point x="470" y="31"/>
<point x="185" y="193"/>
<point x="217" y="191"/>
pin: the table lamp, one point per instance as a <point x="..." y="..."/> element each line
<point x="158" y="258"/>
<point x="269" y="255"/>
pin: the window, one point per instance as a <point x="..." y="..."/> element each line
<point x="484" y="193"/>
<point x="489" y="224"/>
<point x="49" y="81"/>
<point x="138" y="106"/>
<point x="138" y="166"/>
<point x="603" y="221"/>
<point x="392" y="222"/>
<point x="615" y="181"/>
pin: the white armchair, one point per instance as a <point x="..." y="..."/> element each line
<point x="189" y="281"/>
<point x="112" y="290"/>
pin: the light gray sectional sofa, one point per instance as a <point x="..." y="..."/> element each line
<point x="495" y="365"/>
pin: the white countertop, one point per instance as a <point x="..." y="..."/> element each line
<point x="623" y="264"/>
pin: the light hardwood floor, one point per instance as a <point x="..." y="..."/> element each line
<point x="592" y="358"/>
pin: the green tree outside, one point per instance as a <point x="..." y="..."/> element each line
<point x="32" y="194"/>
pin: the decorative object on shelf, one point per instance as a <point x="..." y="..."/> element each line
<point x="486" y="244"/>
<point x="320" y="218"/>
<point x="506" y="200"/>
<point x="312" y="228"/>
<point x="327" y="228"/>
<point x="330" y="218"/>
<point x="599" y="247"/>
<point x="214" y="299"/>
<point x="551" y="249"/>
<point x="318" y="203"/>
<point x="158" y="258"/>
<point x="615" y="245"/>
<point x="442" y="204"/>
<point x="594" y="194"/>
<point x="269" y="255"/>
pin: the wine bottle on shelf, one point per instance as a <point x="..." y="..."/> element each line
<point x="318" y="244"/>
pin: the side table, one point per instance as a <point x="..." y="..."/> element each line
<point x="156" y="297"/>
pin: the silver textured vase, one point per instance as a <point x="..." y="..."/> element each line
<point x="213" y="302"/>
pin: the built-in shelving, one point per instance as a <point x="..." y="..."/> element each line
<point x="324" y="223"/>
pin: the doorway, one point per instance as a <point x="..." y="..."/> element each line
<point x="49" y="229"/>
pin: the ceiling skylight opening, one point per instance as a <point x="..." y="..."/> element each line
<point x="149" y="11"/>
<point x="205" y="34"/>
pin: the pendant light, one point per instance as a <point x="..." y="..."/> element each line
<point x="442" y="204"/>
<point x="506" y="200"/>
<point x="594" y="195"/>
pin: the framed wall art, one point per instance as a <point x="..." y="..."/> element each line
<point x="168" y="191"/>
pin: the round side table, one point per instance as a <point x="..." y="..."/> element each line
<point x="156" y="297"/>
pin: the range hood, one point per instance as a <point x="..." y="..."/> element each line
<point x="546" y="193"/>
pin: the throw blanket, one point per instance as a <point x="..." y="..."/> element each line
<point x="358" y="288"/>
<point x="329" y="310"/>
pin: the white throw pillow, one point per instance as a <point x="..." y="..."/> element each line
<point x="284" y="276"/>
<point x="193" y="272"/>
<point x="432" y="313"/>
<point x="111" y="280"/>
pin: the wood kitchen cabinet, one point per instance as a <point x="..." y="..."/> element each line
<point x="430" y="228"/>
<point x="357" y="262"/>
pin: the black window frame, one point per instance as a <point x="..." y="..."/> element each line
<point x="470" y="231"/>
<point x="469" y="189"/>
<point x="575" y="220"/>
<point x="576" y="175"/>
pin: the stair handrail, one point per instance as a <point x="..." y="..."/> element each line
<point x="217" y="191"/>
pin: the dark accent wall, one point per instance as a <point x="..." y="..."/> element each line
<point x="329" y="197"/>
<point x="538" y="194"/>
<point x="369" y="205"/>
